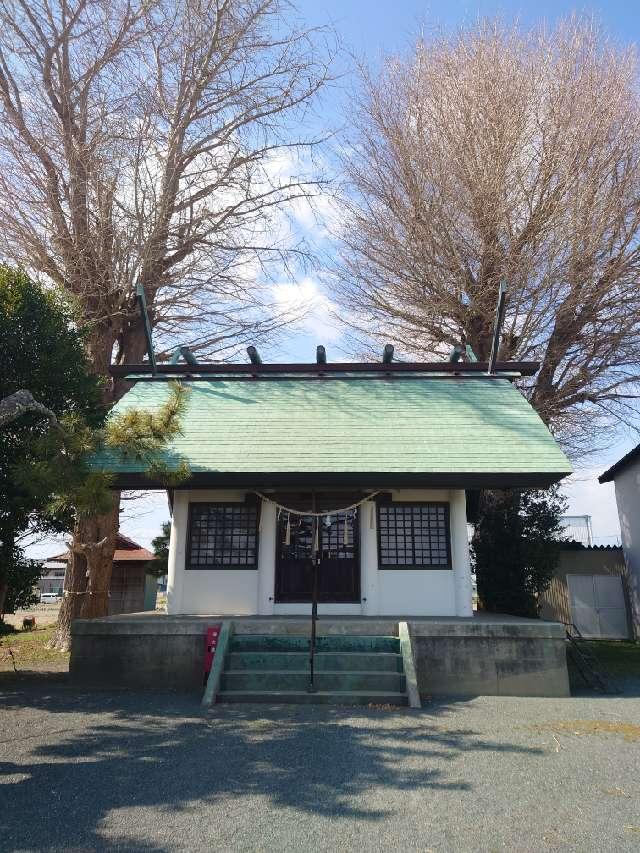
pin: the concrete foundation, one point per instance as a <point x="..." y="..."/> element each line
<point x="481" y="655"/>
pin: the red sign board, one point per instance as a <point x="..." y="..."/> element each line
<point x="210" y="645"/>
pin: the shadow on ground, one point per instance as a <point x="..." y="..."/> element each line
<point x="98" y="751"/>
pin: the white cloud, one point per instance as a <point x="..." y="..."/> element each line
<point x="308" y="308"/>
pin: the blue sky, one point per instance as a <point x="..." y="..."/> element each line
<point x="373" y="27"/>
<point x="370" y="29"/>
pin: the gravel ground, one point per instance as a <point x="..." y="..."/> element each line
<point x="149" y="772"/>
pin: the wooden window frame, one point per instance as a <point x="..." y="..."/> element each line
<point x="394" y="567"/>
<point x="217" y="567"/>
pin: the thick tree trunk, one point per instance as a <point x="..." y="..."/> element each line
<point x="86" y="588"/>
<point x="75" y="583"/>
<point x="79" y="583"/>
<point x="4" y="586"/>
<point x="98" y="551"/>
<point x="89" y="569"/>
<point x="7" y="550"/>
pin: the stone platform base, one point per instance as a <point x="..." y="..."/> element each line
<point x="481" y="655"/>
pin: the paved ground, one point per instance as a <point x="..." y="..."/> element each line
<point x="148" y="772"/>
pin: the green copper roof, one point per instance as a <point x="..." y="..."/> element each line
<point x="400" y="425"/>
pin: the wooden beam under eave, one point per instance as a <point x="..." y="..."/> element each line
<point x="524" y="368"/>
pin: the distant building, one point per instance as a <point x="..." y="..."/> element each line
<point x="132" y="589"/>
<point x="52" y="578"/>
<point x="578" y="529"/>
<point x="590" y="591"/>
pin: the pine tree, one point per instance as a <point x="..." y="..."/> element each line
<point x="42" y="356"/>
<point x="516" y="547"/>
<point x="159" y="567"/>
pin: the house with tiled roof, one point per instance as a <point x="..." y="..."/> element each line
<point x="132" y="589"/>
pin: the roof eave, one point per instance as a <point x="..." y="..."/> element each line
<point x="368" y="479"/>
<point x="619" y="466"/>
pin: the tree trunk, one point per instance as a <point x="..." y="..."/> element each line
<point x="88" y="575"/>
<point x="89" y="569"/>
<point x="7" y="550"/>
<point x="99" y="557"/>
<point x="75" y="583"/>
<point x="4" y="586"/>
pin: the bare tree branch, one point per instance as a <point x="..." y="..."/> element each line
<point x="156" y="142"/>
<point x="501" y="155"/>
<point x="21" y="402"/>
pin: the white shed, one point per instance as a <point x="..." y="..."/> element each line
<point x="625" y="475"/>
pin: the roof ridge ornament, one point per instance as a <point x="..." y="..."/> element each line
<point x="254" y="355"/>
<point x="185" y="353"/>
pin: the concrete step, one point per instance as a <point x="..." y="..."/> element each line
<point x="324" y="661"/>
<point x="286" y="680"/>
<point x="296" y="643"/>
<point x="322" y="697"/>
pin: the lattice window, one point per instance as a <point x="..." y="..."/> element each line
<point x="222" y="536"/>
<point x="414" y="536"/>
<point x="335" y="544"/>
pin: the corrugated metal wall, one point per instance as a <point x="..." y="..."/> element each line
<point x="584" y="561"/>
<point x="126" y="594"/>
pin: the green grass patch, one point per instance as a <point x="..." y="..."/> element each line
<point x="28" y="648"/>
<point x="619" y="658"/>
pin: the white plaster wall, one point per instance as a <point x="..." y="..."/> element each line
<point x="220" y="592"/>
<point x="238" y="592"/>
<point x="417" y="592"/>
<point x="369" y="575"/>
<point x="460" y="559"/>
<point x="627" y="485"/>
<point x="424" y="592"/>
<point x="266" y="559"/>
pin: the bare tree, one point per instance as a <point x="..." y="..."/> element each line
<point x="500" y="155"/>
<point x="153" y="141"/>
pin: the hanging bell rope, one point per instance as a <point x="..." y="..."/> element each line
<point x="283" y="508"/>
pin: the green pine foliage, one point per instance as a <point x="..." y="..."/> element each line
<point x="21" y="578"/>
<point x="160" y="545"/>
<point x="141" y="433"/>
<point x="516" y="548"/>
<point x="46" y="481"/>
<point x="41" y="351"/>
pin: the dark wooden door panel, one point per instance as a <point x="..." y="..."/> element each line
<point x="339" y="568"/>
